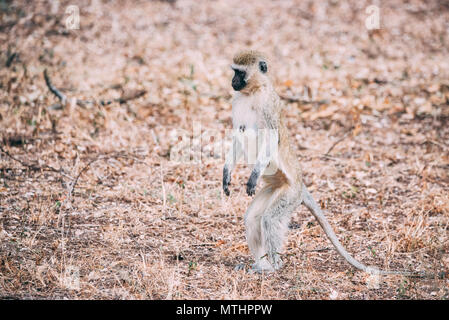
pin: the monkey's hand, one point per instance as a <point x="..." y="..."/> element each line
<point x="226" y="180"/>
<point x="252" y="183"/>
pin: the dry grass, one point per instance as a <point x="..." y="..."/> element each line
<point x="139" y="226"/>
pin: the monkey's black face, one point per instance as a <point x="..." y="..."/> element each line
<point x="238" y="82"/>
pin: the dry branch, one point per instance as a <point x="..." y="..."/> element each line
<point x="63" y="98"/>
<point x="32" y="167"/>
<point x="130" y="96"/>
<point x="53" y="89"/>
<point x="10" y="59"/>
<point x="100" y="157"/>
<point x="291" y="99"/>
<point x="338" y="141"/>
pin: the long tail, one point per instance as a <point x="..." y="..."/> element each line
<point x="310" y="203"/>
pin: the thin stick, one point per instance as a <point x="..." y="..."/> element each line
<point x="164" y="196"/>
<point x="317" y="250"/>
<point x="100" y="157"/>
<point x="53" y="89"/>
<point x="338" y="141"/>
<point x="63" y="98"/>
<point x="33" y="167"/>
<point x="291" y="99"/>
<point x="72" y="186"/>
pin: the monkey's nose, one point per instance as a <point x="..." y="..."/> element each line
<point x="238" y="85"/>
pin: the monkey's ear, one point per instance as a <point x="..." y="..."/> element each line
<point x="263" y="66"/>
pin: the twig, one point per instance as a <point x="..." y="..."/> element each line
<point x="317" y="250"/>
<point x="53" y="90"/>
<point x="101" y="157"/>
<point x="10" y="59"/>
<point x="33" y="167"/>
<point x="291" y="99"/>
<point x="203" y="245"/>
<point x="75" y="181"/>
<point x="164" y="196"/>
<point x="72" y="186"/>
<point x="123" y="99"/>
<point x="436" y="143"/>
<point x="338" y="141"/>
<point x="130" y="96"/>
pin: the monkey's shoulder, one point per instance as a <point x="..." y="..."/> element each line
<point x="272" y="110"/>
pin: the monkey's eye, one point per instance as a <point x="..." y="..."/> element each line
<point x="263" y="66"/>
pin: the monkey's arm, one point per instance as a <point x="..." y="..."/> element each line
<point x="231" y="159"/>
<point x="266" y="153"/>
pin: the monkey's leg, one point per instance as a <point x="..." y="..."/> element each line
<point x="253" y="217"/>
<point x="274" y="225"/>
<point x="267" y="224"/>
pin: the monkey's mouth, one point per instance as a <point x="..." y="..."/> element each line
<point x="238" y="85"/>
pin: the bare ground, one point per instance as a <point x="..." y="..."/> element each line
<point x="92" y="207"/>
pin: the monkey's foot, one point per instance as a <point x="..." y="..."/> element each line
<point x="265" y="266"/>
<point x="259" y="267"/>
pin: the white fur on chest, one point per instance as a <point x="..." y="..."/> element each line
<point x="244" y="112"/>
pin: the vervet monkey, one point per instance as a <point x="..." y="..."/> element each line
<point x="257" y="108"/>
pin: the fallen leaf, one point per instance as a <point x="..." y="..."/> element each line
<point x="288" y="83"/>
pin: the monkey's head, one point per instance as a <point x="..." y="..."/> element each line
<point x="250" y="69"/>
